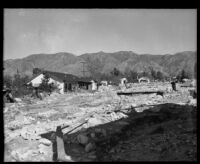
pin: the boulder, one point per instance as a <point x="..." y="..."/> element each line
<point x="192" y="102"/>
<point x="18" y="100"/>
<point x="43" y="149"/>
<point x="82" y="139"/>
<point x="169" y="89"/>
<point x="133" y="105"/>
<point x="89" y="147"/>
<point x="92" y="135"/>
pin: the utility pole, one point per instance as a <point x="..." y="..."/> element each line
<point x="83" y="71"/>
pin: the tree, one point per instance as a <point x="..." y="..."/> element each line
<point x="144" y="73"/>
<point x="182" y="75"/>
<point x="7" y="81"/>
<point x="159" y="75"/>
<point x="17" y="80"/>
<point x="153" y="74"/>
<point x="44" y="86"/>
<point x="195" y="70"/>
<point x="17" y="85"/>
<point x="134" y="75"/>
<point x="37" y="71"/>
<point x="115" y="72"/>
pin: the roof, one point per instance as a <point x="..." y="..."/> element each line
<point x="85" y="79"/>
<point x="62" y="76"/>
<point x="58" y="76"/>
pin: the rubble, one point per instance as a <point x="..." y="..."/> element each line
<point x="89" y="147"/>
<point x="102" y="123"/>
<point x="82" y="139"/>
<point x="192" y="102"/>
<point x="18" y="100"/>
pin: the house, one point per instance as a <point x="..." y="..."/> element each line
<point x="104" y="83"/>
<point x="123" y="81"/>
<point x="87" y="83"/>
<point x="65" y="82"/>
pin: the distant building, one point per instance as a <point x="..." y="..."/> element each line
<point x="144" y="79"/>
<point x="104" y="83"/>
<point x="123" y="81"/>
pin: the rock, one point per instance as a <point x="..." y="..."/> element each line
<point x="133" y="105"/>
<point x="192" y="102"/>
<point x="113" y="116"/>
<point x="155" y="109"/>
<point x="104" y="132"/>
<point x="43" y="149"/>
<point x="18" y="100"/>
<point x="82" y="139"/>
<point x="159" y="97"/>
<point x="20" y="155"/>
<point x="169" y="89"/>
<point x="193" y="93"/>
<point x="92" y="156"/>
<point x="123" y="123"/>
<point x="5" y="109"/>
<point x="97" y="130"/>
<point x="66" y="158"/>
<point x="92" y="135"/>
<point x="89" y="147"/>
<point x="45" y="141"/>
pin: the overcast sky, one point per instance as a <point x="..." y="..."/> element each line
<point x="78" y="31"/>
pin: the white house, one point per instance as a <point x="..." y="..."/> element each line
<point x="63" y="81"/>
<point x="38" y="80"/>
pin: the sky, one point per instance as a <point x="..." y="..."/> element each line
<point x="79" y="31"/>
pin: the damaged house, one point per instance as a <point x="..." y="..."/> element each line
<point x="65" y="82"/>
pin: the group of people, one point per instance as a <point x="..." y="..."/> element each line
<point x="7" y="95"/>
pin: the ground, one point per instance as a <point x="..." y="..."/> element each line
<point x="142" y="127"/>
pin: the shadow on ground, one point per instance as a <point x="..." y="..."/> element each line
<point x="164" y="132"/>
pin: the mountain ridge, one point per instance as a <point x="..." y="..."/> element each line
<point x="66" y="62"/>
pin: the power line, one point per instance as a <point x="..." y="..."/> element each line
<point x="83" y="71"/>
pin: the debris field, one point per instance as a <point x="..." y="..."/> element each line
<point x="104" y="125"/>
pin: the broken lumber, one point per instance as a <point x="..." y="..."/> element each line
<point x="146" y="92"/>
<point x="84" y="121"/>
<point x="59" y="148"/>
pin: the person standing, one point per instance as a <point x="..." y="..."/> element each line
<point x="173" y="83"/>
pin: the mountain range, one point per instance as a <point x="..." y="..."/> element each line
<point x="103" y="62"/>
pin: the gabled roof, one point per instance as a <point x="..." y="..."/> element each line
<point x="58" y="76"/>
<point x="62" y="76"/>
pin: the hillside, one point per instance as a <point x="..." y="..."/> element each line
<point x="123" y="60"/>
